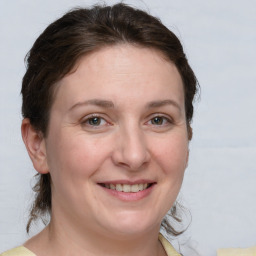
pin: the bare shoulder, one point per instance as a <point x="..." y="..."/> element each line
<point x="30" y="248"/>
<point x="39" y="243"/>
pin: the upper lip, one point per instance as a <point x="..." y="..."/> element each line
<point x="128" y="182"/>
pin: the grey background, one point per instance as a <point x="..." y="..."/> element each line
<point x="219" y="38"/>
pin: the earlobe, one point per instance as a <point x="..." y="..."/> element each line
<point x="35" y="144"/>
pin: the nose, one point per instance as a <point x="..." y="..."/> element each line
<point x="131" y="149"/>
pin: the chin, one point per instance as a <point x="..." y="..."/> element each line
<point x="133" y="225"/>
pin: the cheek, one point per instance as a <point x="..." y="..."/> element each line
<point x="76" y="155"/>
<point x="73" y="161"/>
<point x="171" y="154"/>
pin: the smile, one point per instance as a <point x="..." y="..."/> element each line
<point x="127" y="188"/>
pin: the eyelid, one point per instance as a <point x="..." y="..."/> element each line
<point x="86" y="118"/>
<point x="169" y="119"/>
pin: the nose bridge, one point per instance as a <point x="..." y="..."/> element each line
<point x="132" y="150"/>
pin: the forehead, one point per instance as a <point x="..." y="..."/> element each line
<point x="121" y="69"/>
<point x="120" y="56"/>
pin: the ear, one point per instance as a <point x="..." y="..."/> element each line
<point x="35" y="144"/>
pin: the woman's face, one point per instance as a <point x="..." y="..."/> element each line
<point x="117" y="145"/>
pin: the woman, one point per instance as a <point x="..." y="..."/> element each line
<point x="107" y="107"/>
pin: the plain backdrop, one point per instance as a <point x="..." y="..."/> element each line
<point x="219" y="38"/>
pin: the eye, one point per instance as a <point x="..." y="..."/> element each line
<point x="159" y="120"/>
<point x="94" y="121"/>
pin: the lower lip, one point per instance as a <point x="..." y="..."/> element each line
<point x="130" y="196"/>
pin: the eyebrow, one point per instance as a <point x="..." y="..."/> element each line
<point x="160" y="103"/>
<point x="110" y="104"/>
<point x="95" y="102"/>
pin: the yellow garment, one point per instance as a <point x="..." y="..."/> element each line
<point x="22" y="251"/>
<point x="167" y="246"/>
<point x="19" y="251"/>
<point x="237" y="252"/>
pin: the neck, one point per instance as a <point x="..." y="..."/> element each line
<point x="90" y="242"/>
<point x="60" y="238"/>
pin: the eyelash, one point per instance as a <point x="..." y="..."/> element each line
<point x="164" y="121"/>
<point x="94" y="116"/>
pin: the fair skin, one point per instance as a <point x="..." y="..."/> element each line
<point x="116" y="150"/>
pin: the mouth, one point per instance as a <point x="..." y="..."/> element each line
<point x="127" y="188"/>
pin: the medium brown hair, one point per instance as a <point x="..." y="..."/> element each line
<point x="79" y="32"/>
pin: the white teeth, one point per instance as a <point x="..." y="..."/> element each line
<point x="135" y="188"/>
<point x="141" y="186"/>
<point x="127" y="188"/>
<point x="119" y="187"/>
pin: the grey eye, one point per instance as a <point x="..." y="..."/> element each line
<point x="95" y="121"/>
